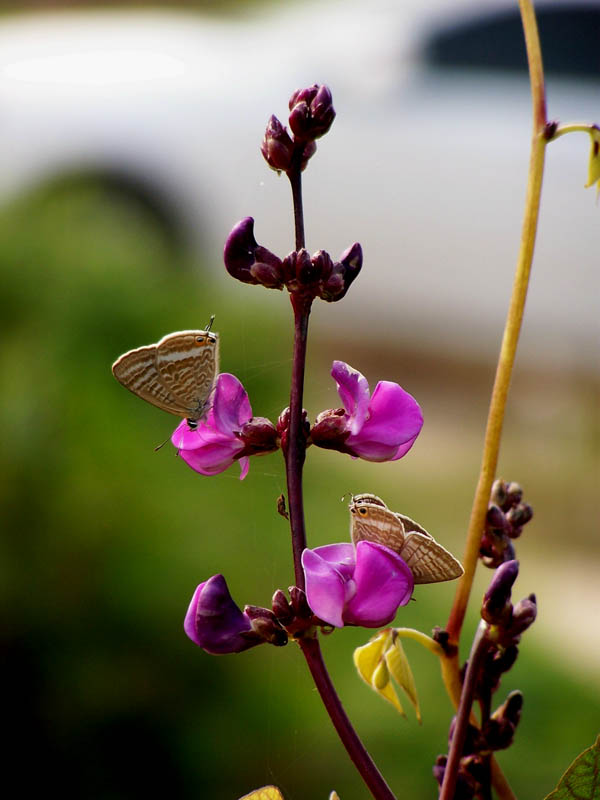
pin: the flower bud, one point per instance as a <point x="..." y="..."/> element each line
<point x="311" y="112"/>
<point x="524" y="614"/>
<point x="514" y="493"/>
<point x="281" y="608"/>
<point x="259" y="435"/>
<point x="299" y="602"/>
<point x="277" y="147"/>
<point x="330" y="429"/>
<point x="242" y="252"/>
<point x="270" y="277"/>
<point x="497" y="608"/>
<point x="495" y="518"/>
<point x="519" y="515"/>
<point x="308" y="151"/>
<point x="499" y="730"/>
<point x="283" y="426"/>
<point x="498" y="494"/>
<point x="266" y="626"/>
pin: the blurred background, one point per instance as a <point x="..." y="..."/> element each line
<point x="129" y="144"/>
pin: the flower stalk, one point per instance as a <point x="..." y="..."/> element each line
<point x="512" y="327"/>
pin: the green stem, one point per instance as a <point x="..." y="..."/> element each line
<point x="512" y="328"/>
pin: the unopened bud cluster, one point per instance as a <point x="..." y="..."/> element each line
<point x="506" y="516"/>
<point x="294" y="614"/>
<point x="474" y="776"/>
<point x="314" y="276"/>
<point x="311" y="116"/>
<point x="504" y="624"/>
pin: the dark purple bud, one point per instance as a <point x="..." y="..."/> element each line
<point x="299" y="602"/>
<point x="323" y="264"/>
<point x="270" y="277"/>
<point x="259" y="435"/>
<point x="498" y="494"/>
<point x="514" y="493"/>
<point x="352" y="259"/>
<point x="524" y="614"/>
<point x="308" y="151"/>
<point x="322" y="112"/>
<point x="283" y="426"/>
<point x="501" y="661"/>
<point x="334" y="287"/>
<point x="499" y="730"/>
<point x="306" y="272"/>
<point x="277" y="146"/>
<point x="496" y="608"/>
<point x="242" y="252"/>
<point x="281" y="608"/>
<point x="439" y="768"/>
<point x="519" y="515"/>
<point x="472" y="738"/>
<point x="311" y="112"/>
<point x="495" y="518"/>
<point x="215" y="623"/>
<point x="266" y="626"/>
<point x="343" y="274"/>
<point x="330" y="429"/>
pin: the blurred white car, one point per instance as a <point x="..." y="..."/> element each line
<point x="425" y="164"/>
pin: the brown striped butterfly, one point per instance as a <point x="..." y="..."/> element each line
<point x="372" y="521"/>
<point x="177" y="374"/>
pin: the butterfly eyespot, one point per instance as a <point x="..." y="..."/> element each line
<point x="363" y="511"/>
<point x="199" y="339"/>
<point x="212" y="340"/>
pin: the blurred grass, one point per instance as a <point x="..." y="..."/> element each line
<point x="105" y="540"/>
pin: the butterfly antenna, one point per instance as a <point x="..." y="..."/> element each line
<point x="159" y="446"/>
<point x="210" y="322"/>
<point x="345" y="495"/>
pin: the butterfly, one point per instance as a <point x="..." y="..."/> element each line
<point x="264" y="793"/>
<point x="372" y="521"/>
<point x="177" y="374"/>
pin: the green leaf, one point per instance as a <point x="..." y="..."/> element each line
<point x="582" y="780"/>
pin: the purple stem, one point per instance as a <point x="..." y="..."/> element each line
<point x="478" y="651"/>
<point x="354" y="747"/>
<point x="294" y="463"/>
<point x="296" y="442"/>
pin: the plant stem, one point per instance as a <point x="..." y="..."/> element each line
<point x="354" y="747"/>
<point x="478" y="651"/>
<point x="294" y="464"/>
<point x="296" y="449"/>
<point x="512" y="328"/>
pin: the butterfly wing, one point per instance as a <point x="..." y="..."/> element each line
<point x="264" y="793"/>
<point x="136" y="371"/>
<point x="371" y="522"/>
<point x="188" y="362"/>
<point x="429" y="562"/>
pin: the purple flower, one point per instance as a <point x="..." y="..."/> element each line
<point x="381" y="426"/>
<point x="215" y="623"/>
<point x="362" y="586"/>
<point x="228" y="432"/>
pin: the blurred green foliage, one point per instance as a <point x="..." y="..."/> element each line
<point x="105" y="540"/>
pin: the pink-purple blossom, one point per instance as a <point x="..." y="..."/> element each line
<point x="228" y="433"/>
<point x="381" y="426"/>
<point x="356" y="586"/>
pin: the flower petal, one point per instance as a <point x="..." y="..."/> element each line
<point x="327" y="570"/>
<point x="353" y="390"/>
<point x="230" y="407"/>
<point x="383" y="583"/>
<point x="211" y="459"/>
<point x="394" y="422"/>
